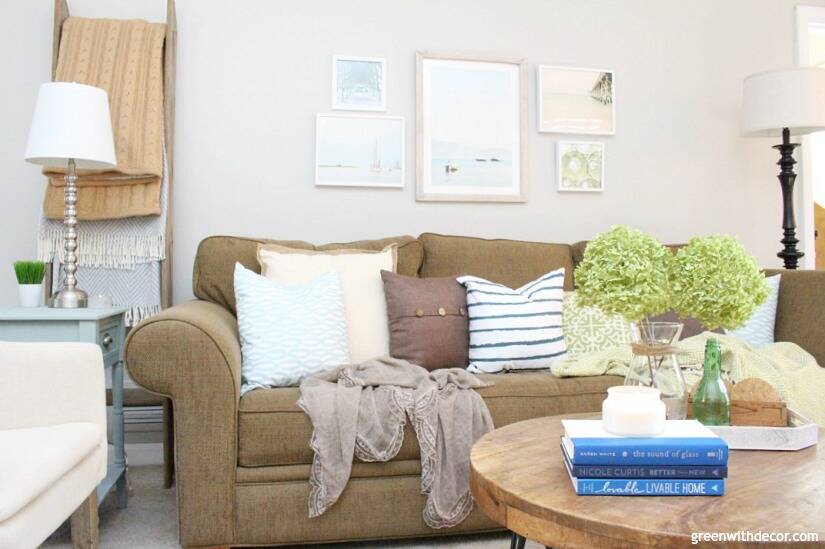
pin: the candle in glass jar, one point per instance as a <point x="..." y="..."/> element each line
<point x="633" y="411"/>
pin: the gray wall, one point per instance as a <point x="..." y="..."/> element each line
<point x="252" y="74"/>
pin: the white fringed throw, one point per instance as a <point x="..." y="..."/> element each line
<point x="137" y="288"/>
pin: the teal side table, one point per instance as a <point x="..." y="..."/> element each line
<point x="105" y="327"/>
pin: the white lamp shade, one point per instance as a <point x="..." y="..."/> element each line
<point x="71" y="121"/>
<point x="790" y="98"/>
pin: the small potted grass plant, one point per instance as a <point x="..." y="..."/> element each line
<point x="30" y="282"/>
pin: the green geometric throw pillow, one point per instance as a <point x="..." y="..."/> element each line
<point x="587" y="329"/>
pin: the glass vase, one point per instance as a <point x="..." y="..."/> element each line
<point x="654" y="364"/>
<point x="711" y="402"/>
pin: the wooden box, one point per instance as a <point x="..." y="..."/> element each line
<point x="753" y="413"/>
<point x="765" y="414"/>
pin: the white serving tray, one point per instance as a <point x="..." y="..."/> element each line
<point x="800" y="433"/>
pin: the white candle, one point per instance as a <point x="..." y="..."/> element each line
<point x="633" y="411"/>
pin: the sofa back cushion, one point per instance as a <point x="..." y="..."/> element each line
<point x="212" y="278"/>
<point x="800" y="309"/>
<point x="509" y="262"/>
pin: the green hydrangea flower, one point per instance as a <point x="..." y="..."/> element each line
<point x="626" y="272"/>
<point x="715" y="280"/>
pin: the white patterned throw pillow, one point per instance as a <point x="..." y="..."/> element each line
<point x="515" y="329"/>
<point x="589" y="330"/>
<point x="758" y="330"/>
<point x="289" y="332"/>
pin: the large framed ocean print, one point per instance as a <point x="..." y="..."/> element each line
<point x="471" y="128"/>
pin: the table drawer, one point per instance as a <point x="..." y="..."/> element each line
<point x="109" y="338"/>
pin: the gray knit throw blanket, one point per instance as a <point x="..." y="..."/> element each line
<point x="361" y="411"/>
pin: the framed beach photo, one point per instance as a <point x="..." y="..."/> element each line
<point x="580" y="166"/>
<point x="471" y="128"/>
<point x="359" y="150"/>
<point x="576" y="101"/>
<point x="359" y="83"/>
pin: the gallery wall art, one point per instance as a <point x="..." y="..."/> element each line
<point x="359" y="83"/>
<point x="580" y="166"/>
<point x="359" y="150"/>
<point x="471" y="128"/>
<point x="576" y="101"/>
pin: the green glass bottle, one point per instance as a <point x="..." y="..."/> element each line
<point x="711" y="402"/>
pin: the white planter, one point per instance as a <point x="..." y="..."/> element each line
<point x="31" y="295"/>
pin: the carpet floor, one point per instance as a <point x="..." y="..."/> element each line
<point x="150" y="521"/>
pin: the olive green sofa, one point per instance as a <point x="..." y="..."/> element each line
<point x="242" y="463"/>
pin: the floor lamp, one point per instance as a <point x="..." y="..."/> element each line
<point x="71" y="127"/>
<point x="781" y="103"/>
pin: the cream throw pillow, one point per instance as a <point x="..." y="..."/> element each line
<point x="360" y="272"/>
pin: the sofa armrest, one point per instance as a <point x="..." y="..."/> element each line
<point x="800" y="314"/>
<point x="191" y="353"/>
<point x="51" y="383"/>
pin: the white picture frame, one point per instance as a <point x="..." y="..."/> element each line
<point x="359" y="83"/>
<point x="586" y="169"/>
<point x="569" y="101"/>
<point x="357" y="150"/>
<point x="471" y="146"/>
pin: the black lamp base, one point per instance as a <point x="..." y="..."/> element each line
<point x="789" y="254"/>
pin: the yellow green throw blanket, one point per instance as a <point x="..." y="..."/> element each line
<point x="790" y="369"/>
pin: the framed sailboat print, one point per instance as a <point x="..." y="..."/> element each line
<point x="359" y="151"/>
<point x="471" y="128"/>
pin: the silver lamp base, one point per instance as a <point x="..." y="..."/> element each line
<point x="69" y="298"/>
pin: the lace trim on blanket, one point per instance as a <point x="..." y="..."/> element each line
<point x="319" y="500"/>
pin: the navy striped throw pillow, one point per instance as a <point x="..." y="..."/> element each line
<point x="515" y="329"/>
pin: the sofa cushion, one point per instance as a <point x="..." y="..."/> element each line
<point x="34" y="459"/>
<point x="272" y="430"/>
<point x="799" y="311"/>
<point x="589" y="330"/>
<point x="509" y="262"/>
<point x="427" y="320"/>
<point x="216" y="256"/>
<point x="289" y="331"/>
<point x="515" y="329"/>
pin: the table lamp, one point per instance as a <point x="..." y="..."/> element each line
<point x="783" y="102"/>
<point x="71" y="127"/>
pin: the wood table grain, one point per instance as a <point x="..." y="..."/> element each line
<point x="517" y="477"/>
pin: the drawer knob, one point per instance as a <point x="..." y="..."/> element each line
<point x="107" y="340"/>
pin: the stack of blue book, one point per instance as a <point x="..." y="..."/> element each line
<point x="688" y="459"/>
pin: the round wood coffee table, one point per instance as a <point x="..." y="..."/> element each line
<point x="518" y="479"/>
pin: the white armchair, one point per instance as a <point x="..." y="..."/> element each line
<point x="53" y="444"/>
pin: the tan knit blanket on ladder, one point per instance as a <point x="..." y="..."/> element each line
<point x="124" y="57"/>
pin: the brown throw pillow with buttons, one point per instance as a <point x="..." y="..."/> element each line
<point x="427" y="320"/>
